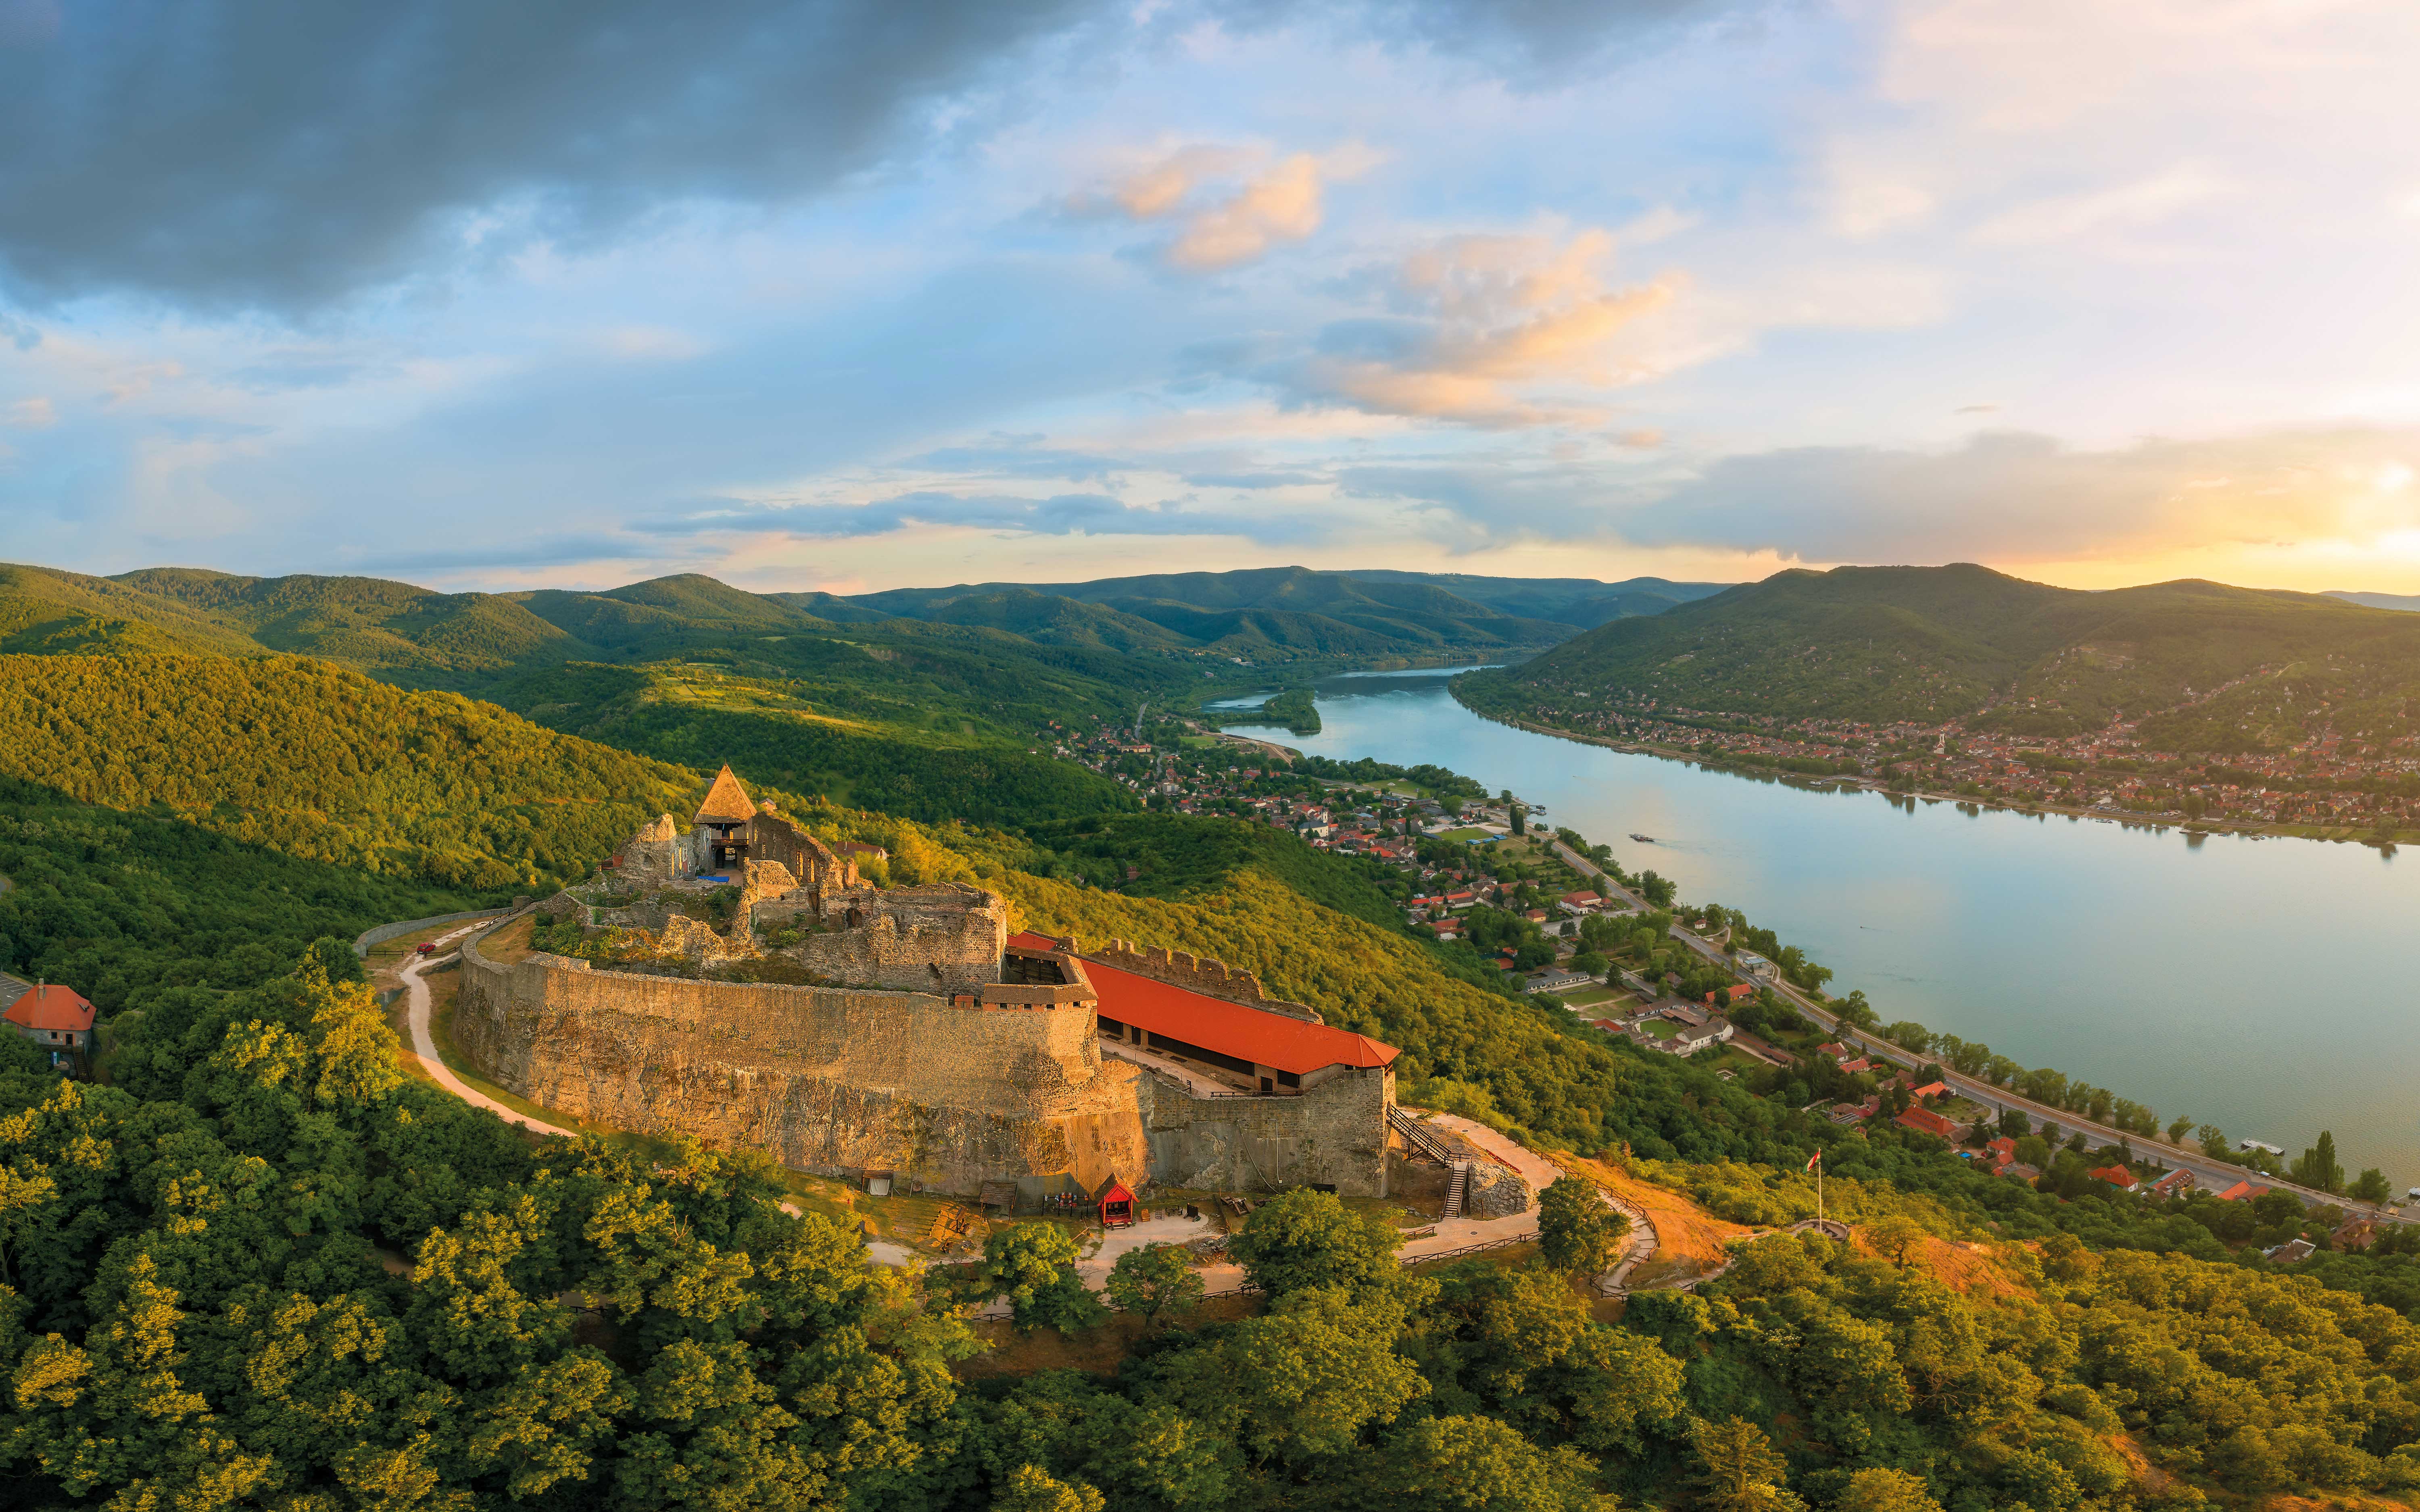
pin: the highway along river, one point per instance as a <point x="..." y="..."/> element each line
<point x="2271" y="987"/>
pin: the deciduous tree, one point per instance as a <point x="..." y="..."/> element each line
<point x="1576" y="1230"/>
<point x="1154" y="1279"/>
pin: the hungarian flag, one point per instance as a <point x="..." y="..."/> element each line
<point x="1814" y="1160"/>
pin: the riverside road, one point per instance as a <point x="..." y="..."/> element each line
<point x="2213" y="1174"/>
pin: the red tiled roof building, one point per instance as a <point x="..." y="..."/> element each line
<point x="1927" y="1122"/>
<point x="1268" y="1052"/>
<point x="54" y="1017"/>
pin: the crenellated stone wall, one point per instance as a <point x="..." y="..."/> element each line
<point x="825" y="1079"/>
<point x="1202" y="974"/>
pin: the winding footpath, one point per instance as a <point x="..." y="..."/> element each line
<point x="423" y="1042"/>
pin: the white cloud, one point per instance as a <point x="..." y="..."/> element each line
<point x="1495" y="330"/>
<point x="1237" y="203"/>
<point x="36" y="413"/>
<point x="2143" y="203"/>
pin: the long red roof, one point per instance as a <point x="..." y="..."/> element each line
<point x="50" y="1006"/>
<point x="1252" y="1034"/>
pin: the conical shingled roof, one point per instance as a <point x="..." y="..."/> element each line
<point x="726" y="802"/>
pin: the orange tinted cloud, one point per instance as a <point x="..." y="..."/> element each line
<point x="1504" y="329"/>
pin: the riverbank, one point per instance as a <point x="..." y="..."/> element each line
<point x="2174" y="972"/>
<point x="2341" y="834"/>
<point x="2215" y="1175"/>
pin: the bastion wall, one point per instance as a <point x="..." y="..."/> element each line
<point x="828" y="1080"/>
<point x="1334" y="1135"/>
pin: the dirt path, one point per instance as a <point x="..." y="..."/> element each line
<point x="424" y="1043"/>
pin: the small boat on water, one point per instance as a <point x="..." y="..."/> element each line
<point x="1644" y="840"/>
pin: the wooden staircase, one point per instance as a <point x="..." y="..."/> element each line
<point x="1418" y="1136"/>
<point x="1455" y="1192"/>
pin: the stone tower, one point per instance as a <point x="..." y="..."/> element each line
<point x="722" y="823"/>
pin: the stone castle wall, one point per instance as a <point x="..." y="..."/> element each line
<point x="1334" y="1135"/>
<point x="943" y="939"/>
<point x="1202" y="974"/>
<point x="824" y="1079"/>
<point x="771" y="836"/>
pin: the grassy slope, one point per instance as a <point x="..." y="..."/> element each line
<point x="1931" y="643"/>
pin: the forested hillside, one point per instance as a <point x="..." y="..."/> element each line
<point x="325" y="765"/>
<point x="774" y="732"/>
<point x="1929" y="644"/>
<point x="1270" y="613"/>
<point x="125" y="906"/>
<point x="261" y="1267"/>
<point x="1583" y="603"/>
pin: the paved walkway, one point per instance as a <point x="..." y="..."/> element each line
<point x="424" y="1043"/>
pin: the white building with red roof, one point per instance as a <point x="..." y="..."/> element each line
<point x="58" y="1019"/>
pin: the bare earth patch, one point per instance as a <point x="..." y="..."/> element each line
<point x="1686" y="1235"/>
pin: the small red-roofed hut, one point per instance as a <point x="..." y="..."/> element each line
<point x="1117" y="1205"/>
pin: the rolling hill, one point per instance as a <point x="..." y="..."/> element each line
<point x="1930" y="644"/>
<point x="1273" y="614"/>
<point x="325" y="765"/>
<point x="1583" y="603"/>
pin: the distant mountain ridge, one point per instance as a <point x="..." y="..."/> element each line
<point x="421" y="636"/>
<point x="1291" y="610"/>
<point x="1930" y="644"/>
<point x="2404" y="603"/>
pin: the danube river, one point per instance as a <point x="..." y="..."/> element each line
<point x="2266" y="986"/>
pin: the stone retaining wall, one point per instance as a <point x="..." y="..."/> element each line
<point x="1333" y="1134"/>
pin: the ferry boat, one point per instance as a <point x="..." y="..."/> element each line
<point x="1644" y="840"/>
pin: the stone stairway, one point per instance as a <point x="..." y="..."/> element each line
<point x="1455" y="1192"/>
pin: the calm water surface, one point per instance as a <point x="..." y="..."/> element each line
<point x="2266" y="986"/>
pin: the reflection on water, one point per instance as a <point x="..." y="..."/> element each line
<point x="2263" y="986"/>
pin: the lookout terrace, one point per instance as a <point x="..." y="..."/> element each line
<point x="736" y="980"/>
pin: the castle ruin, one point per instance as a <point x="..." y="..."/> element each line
<point x="766" y="995"/>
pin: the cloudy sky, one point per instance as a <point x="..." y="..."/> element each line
<point x="860" y="294"/>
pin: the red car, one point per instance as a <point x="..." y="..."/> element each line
<point x="425" y="948"/>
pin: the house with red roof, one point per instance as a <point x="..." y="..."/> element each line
<point x="1928" y="1090"/>
<point x="2117" y="1176"/>
<point x="2002" y="1151"/>
<point x="1924" y="1121"/>
<point x="2243" y="1192"/>
<point x="1853" y="1067"/>
<point x="58" y="1019"/>
<point x="2174" y="1185"/>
